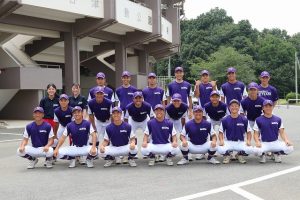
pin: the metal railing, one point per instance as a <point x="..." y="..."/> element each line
<point x="163" y="81"/>
<point x="288" y="102"/>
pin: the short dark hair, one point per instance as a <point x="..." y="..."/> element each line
<point x="77" y="85"/>
<point x="51" y="85"/>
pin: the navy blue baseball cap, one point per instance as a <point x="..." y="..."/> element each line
<point x="197" y="108"/>
<point x="176" y="96"/>
<point x="151" y="75"/>
<point x="63" y="96"/>
<point x="234" y="101"/>
<point x="76" y="108"/>
<point x="178" y="69"/>
<point x="204" y="72"/>
<point x="137" y="94"/>
<point x="231" y="70"/>
<point x="268" y="102"/>
<point x="265" y="74"/>
<point x="159" y="106"/>
<point x="38" y="109"/>
<point x="99" y="90"/>
<point x="214" y="92"/>
<point x="118" y="109"/>
<point x="252" y="85"/>
<point x="126" y="73"/>
<point x="100" y="75"/>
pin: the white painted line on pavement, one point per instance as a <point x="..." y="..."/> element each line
<point x="237" y="185"/>
<point x="245" y="194"/>
<point x="15" y="140"/>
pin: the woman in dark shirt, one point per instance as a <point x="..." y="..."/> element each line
<point x="49" y="103"/>
<point x="78" y="100"/>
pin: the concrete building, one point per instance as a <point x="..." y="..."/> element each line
<point x="68" y="41"/>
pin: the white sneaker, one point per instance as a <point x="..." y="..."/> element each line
<point x="262" y="159"/>
<point x="277" y="158"/>
<point x="125" y="160"/>
<point x="226" y="160"/>
<point x="82" y="160"/>
<point x="108" y="163"/>
<point x="132" y="163"/>
<point x="32" y="163"/>
<point x="89" y="163"/>
<point x="156" y="158"/>
<point x="213" y="161"/>
<point x="183" y="161"/>
<point x="241" y="159"/>
<point x="118" y="160"/>
<point x="151" y="162"/>
<point x="190" y="157"/>
<point x="162" y="158"/>
<point x="199" y="156"/>
<point x="72" y="163"/>
<point x="169" y="162"/>
<point x="49" y="164"/>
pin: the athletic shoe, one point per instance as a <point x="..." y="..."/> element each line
<point x="151" y="162"/>
<point x="82" y="160"/>
<point x="136" y="157"/>
<point x="190" y="157"/>
<point x="199" y="156"/>
<point x="108" y="163"/>
<point x="156" y="158"/>
<point x="162" y="158"/>
<point x="89" y="163"/>
<point x="125" y="160"/>
<point x="262" y="159"/>
<point x="132" y="163"/>
<point x="277" y="158"/>
<point x="226" y="160"/>
<point x="183" y="161"/>
<point x="49" y="164"/>
<point x="169" y="162"/>
<point x="118" y="160"/>
<point x="72" y="163"/>
<point x="213" y="161"/>
<point x="241" y="159"/>
<point x="32" y="163"/>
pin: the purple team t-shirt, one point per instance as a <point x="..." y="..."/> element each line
<point x="234" y="128"/>
<point x="198" y="133"/>
<point x="253" y="108"/>
<point x="138" y="114"/>
<point x="205" y="90"/>
<point x="79" y="132"/>
<point x="160" y="132"/>
<point x="268" y="127"/>
<point x="176" y="113"/>
<point x="125" y="95"/>
<point x="100" y="110"/>
<point x="216" y="113"/>
<point x="63" y="117"/>
<point x="39" y="134"/>
<point x="153" y="96"/>
<point x="233" y="91"/>
<point x="183" y="89"/>
<point x="269" y="93"/>
<point x="118" y="135"/>
<point x="108" y="92"/>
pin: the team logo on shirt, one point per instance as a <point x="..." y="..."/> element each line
<point x="184" y="88"/>
<point x="165" y="128"/>
<point x="142" y="113"/>
<point x="130" y="93"/>
<point x="43" y="131"/>
<point x="105" y="94"/>
<point x="274" y="123"/>
<point x="103" y="109"/>
<point x="67" y="116"/>
<point x="180" y="113"/>
<point x="123" y="131"/>
<point x="80" y="102"/>
<point x="82" y="129"/>
<point x="55" y="105"/>
<point x="209" y="87"/>
<point x="157" y="93"/>
<point x="203" y="129"/>
<point x="264" y="93"/>
<point x="240" y="124"/>
<point x="237" y="88"/>
<point x="220" y="111"/>
<point x="257" y="106"/>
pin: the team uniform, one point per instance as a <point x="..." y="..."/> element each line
<point x="205" y="90"/>
<point x="49" y="105"/>
<point x="183" y="88"/>
<point x="78" y="101"/>
<point x="175" y="115"/>
<point x="268" y="93"/>
<point x="234" y="130"/>
<point x="153" y="96"/>
<point x="214" y="114"/>
<point x="198" y="136"/>
<point x="79" y="134"/>
<point x="39" y="136"/>
<point x="124" y="96"/>
<point x="108" y="93"/>
<point x="160" y="134"/>
<point x="119" y="137"/>
<point x="102" y="113"/>
<point x="138" y="117"/>
<point x="63" y="118"/>
<point x="252" y="109"/>
<point x="269" y="131"/>
<point x="232" y="91"/>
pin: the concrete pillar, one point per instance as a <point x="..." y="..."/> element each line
<point x="120" y="61"/>
<point x="143" y="63"/>
<point x="72" y="63"/>
<point x="173" y="16"/>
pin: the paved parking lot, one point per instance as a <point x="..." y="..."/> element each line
<point x="198" y="180"/>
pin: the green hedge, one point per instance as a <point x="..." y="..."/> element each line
<point x="291" y="95"/>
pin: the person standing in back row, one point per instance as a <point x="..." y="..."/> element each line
<point x="101" y="82"/>
<point x="266" y="90"/>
